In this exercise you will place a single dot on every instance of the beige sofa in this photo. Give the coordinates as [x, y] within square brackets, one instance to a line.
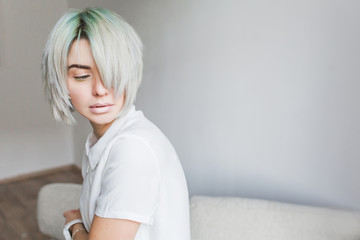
[223, 218]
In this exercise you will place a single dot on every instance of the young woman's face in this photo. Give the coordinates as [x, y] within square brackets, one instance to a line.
[88, 94]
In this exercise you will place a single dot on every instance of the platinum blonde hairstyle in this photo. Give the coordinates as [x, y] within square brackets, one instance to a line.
[116, 48]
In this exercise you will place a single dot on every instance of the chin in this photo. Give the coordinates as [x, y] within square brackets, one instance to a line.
[101, 120]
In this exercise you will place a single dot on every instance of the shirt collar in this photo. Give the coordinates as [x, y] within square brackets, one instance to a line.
[95, 147]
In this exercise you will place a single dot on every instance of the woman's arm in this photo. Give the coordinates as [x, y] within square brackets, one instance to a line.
[102, 228]
[112, 229]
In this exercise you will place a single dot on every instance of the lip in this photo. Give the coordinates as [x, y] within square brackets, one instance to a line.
[99, 108]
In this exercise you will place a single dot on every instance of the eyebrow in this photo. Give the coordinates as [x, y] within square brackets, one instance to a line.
[79, 66]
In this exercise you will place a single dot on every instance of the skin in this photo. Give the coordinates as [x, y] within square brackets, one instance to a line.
[86, 89]
[103, 228]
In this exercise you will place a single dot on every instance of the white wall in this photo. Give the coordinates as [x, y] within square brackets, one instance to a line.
[30, 140]
[259, 98]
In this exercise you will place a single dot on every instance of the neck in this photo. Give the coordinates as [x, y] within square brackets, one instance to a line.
[100, 129]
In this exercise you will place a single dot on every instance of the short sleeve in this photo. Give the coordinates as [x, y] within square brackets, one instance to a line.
[131, 182]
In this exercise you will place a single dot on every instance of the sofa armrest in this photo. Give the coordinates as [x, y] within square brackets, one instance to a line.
[53, 200]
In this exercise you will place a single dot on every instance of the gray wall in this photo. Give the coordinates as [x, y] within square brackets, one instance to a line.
[259, 98]
[30, 140]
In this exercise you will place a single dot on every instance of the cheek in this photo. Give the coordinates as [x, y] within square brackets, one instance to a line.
[75, 98]
[120, 99]
[77, 94]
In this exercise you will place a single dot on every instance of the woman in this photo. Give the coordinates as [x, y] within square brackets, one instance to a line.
[134, 186]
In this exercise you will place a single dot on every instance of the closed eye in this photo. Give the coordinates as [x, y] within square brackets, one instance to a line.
[82, 77]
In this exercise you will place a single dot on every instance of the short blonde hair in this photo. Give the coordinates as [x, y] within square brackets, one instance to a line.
[116, 48]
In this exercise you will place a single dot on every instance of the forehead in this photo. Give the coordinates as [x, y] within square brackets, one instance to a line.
[80, 53]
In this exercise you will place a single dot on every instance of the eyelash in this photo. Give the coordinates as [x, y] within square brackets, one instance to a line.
[82, 77]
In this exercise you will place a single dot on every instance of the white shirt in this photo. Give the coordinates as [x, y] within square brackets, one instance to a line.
[132, 172]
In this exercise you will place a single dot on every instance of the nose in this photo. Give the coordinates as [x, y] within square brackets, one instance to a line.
[99, 89]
